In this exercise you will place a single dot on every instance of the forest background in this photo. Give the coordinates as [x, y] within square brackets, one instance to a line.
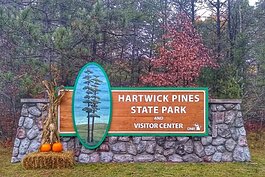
[138, 43]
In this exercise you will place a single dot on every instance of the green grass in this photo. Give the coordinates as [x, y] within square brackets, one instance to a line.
[99, 130]
[255, 168]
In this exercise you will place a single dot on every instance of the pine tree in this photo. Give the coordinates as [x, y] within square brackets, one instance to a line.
[92, 100]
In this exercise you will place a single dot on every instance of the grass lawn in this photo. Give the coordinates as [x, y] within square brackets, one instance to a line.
[255, 168]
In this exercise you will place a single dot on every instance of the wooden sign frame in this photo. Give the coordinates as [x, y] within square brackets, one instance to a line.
[157, 89]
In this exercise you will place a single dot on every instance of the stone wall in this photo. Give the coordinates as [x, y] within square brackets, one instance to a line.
[226, 141]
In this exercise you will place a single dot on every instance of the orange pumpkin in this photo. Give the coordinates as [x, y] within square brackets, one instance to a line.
[57, 147]
[45, 147]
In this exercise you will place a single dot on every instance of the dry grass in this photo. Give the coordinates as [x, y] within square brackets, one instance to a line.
[48, 160]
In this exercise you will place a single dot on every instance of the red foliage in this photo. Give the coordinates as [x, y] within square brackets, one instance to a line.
[180, 59]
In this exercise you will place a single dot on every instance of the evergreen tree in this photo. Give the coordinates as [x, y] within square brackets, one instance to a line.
[92, 100]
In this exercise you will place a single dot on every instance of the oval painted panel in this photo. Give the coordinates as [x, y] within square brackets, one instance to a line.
[92, 105]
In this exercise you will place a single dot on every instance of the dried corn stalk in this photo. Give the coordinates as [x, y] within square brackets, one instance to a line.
[50, 132]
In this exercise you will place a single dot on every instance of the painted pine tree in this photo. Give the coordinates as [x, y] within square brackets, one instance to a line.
[92, 100]
[87, 97]
[95, 101]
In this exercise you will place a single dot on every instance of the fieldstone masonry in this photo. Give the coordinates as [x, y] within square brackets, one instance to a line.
[226, 141]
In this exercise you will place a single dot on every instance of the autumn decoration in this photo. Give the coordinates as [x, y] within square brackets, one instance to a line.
[51, 154]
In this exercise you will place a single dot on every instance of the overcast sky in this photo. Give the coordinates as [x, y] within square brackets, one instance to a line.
[204, 12]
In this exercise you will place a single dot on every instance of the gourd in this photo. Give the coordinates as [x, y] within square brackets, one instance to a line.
[45, 147]
[57, 147]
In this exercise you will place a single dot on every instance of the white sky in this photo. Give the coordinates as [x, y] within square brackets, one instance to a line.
[204, 12]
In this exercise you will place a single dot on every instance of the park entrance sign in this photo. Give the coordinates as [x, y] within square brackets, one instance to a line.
[127, 111]
[159, 111]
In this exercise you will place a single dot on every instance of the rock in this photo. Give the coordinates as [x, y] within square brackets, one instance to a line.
[16, 142]
[219, 117]
[104, 147]
[247, 154]
[175, 158]
[188, 146]
[20, 156]
[234, 133]
[39, 124]
[213, 108]
[196, 138]
[34, 146]
[65, 146]
[171, 138]
[237, 107]
[148, 138]
[24, 110]
[15, 152]
[159, 150]
[41, 106]
[65, 139]
[214, 130]
[21, 121]
[137, 140]
[39, 137]
[207, 158]
[141, 147]
[169, 152]
[33, 132]
[15, 160]
[221, 148]
[242, 141]
[230, 116]
[239, 114]
[125, 139]
[218, 141]
[71, 144]
[21, 133]
[144, 158]
[24, 146]
[28, 123]
[77, 152]
[198, 149]
[220, 108]
[119, 147]
[160, 140]
[209, 150]
[169, 144]
[230, 145]
[229, 106]
[77, 143]
[239, 122]
[94, 157]
[83, 158]
[122, 158]
[217, 157]
[239, 154]
[86, 151]
[223, 131]
[131, 149]
[34, 111]
[206, 140]
[191, 158]
[150, 147]
[180, 149]
[183, 139]
[242, 131]
[113, 139]
[160, 158]
[106, 156]
[227, 157]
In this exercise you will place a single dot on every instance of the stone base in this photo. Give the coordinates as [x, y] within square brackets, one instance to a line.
[226, 141]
